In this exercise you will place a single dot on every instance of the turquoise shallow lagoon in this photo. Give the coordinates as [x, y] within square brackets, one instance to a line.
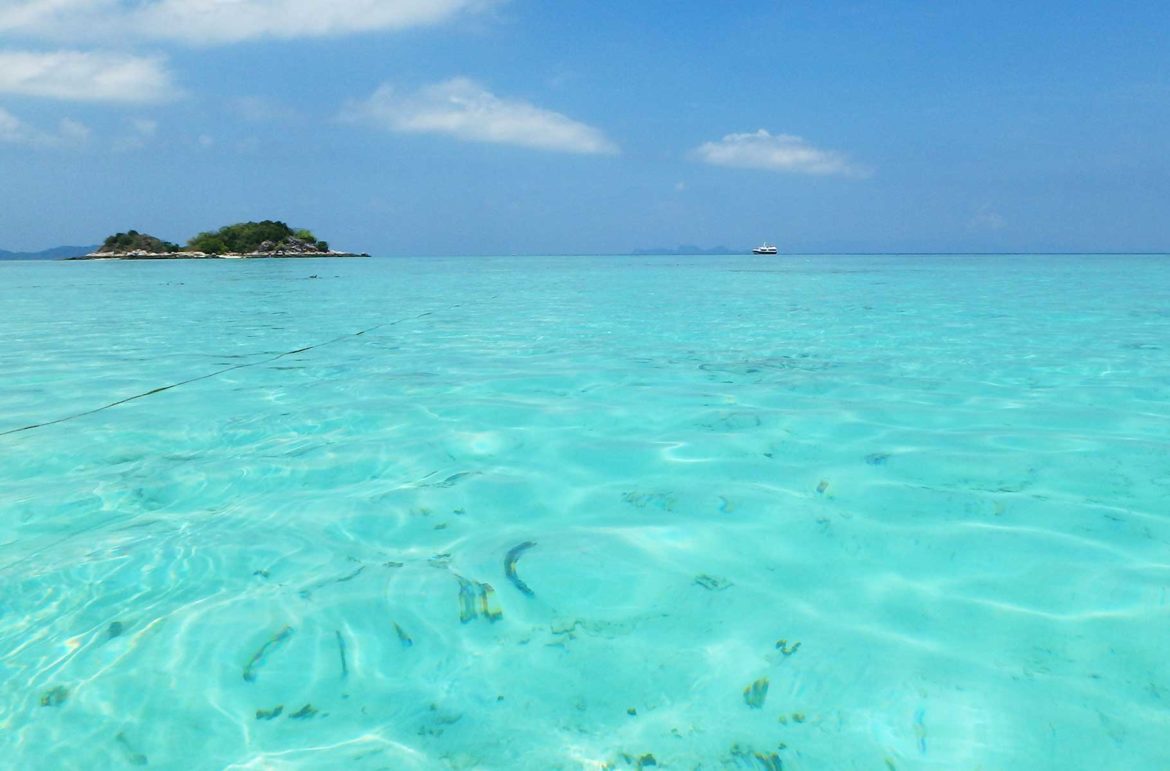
[826, 512]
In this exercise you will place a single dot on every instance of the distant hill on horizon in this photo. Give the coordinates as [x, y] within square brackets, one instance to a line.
[55, 253]
[682, 249]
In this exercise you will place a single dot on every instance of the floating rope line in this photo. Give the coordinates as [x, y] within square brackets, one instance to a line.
[209, 375]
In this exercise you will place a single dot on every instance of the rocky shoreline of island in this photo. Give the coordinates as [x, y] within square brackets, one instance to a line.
[184, 255]
[268, 239]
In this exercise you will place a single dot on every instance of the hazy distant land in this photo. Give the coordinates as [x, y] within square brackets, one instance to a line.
[55, 253]
[268, 238]
[685, 249]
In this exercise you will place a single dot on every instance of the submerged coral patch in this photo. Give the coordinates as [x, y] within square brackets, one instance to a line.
[712, 583]
[755, 694]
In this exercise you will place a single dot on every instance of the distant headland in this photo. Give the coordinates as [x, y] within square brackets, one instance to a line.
[266, 239]
[685, 250]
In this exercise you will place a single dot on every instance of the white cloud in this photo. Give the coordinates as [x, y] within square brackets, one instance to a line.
[15, 131]
[85, 77]
[72, 132]
[145, 127]
[779, 152]
[141, 132]
[987, 219]
[210, 22]
[465, 110]
[12, 129]
[259, 109]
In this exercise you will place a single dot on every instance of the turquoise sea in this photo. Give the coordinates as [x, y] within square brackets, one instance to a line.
[815, 512]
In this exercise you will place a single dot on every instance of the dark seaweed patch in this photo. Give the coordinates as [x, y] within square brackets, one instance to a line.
[642, 761]
[712, 583]
[55, 696]
[770, 761]
[786, 649]
[308, 592]
[510, 560]
[488, 606]
[403, 637]
[267, 649]
[453, 480]
[476, 599]
[467, 596]
[350, 576]
[755, 694]
[753, 759]
[114, 629]
[341, 653]
[133, 756]
[303, 713]
[638, 500]
[269, 714]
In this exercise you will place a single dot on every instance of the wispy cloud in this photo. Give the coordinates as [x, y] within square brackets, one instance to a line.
[145, 127]
[260, 109]
[140, 132]
[211, 22]
[85, 76]
[776, 152]
[15, 131]
[71, 132]
[463, 109]
[987, 218]
[12, 128]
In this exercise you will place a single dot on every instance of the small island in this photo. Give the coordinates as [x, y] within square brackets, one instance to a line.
[269, 238]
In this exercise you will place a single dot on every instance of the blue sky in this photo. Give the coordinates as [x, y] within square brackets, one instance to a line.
[516, 126]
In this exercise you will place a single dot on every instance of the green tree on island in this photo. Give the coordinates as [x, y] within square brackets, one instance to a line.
[249, 237]
[266, 238]
[133, 241]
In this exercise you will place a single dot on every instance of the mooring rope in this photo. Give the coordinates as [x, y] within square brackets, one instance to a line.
[209, 375]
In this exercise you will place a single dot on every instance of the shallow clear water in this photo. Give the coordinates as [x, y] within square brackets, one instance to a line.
[923, 499]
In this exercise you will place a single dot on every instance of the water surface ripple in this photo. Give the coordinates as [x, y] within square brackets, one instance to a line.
[900, 512]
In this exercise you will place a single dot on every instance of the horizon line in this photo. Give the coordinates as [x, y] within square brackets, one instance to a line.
[744, 253]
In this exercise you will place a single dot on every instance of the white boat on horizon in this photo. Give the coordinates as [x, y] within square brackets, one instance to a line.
[766, 248]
